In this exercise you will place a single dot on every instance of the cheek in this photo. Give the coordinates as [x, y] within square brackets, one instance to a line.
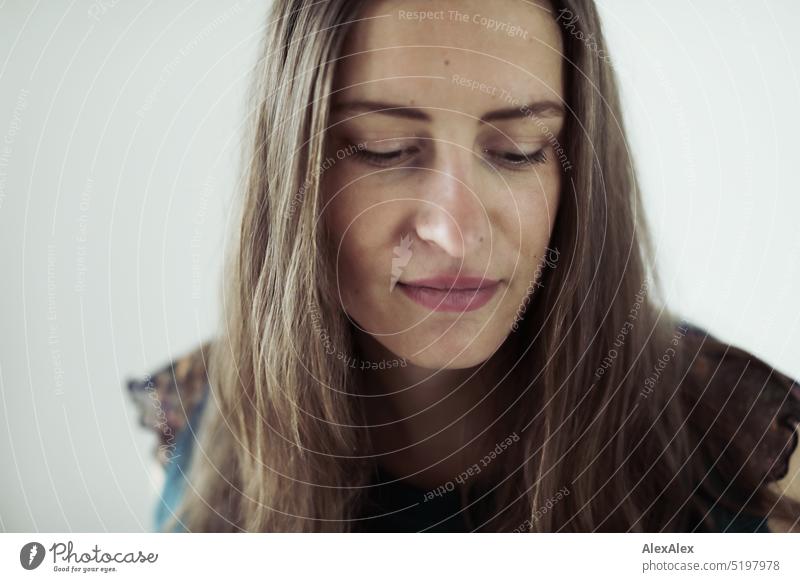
[529, 227]
[358, 234]
[358, 248]
[528, 220]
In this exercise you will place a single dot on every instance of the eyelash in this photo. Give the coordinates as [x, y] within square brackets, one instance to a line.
[520, 160]
[523, 159]
[380, 158]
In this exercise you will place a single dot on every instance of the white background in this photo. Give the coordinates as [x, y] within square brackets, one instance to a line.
[123, 121]
[435, 556]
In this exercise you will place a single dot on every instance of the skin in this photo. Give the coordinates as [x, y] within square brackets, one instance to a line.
[455, 184]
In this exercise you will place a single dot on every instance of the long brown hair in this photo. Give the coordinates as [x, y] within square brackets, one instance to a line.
[283, 443]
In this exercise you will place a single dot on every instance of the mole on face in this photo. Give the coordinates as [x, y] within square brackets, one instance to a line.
[446, 62]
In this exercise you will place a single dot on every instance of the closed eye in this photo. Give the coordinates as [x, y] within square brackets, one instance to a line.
[518, 159]
[513, 160]
[385, 158]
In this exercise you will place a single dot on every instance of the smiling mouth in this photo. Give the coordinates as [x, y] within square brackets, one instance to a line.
[452, 295]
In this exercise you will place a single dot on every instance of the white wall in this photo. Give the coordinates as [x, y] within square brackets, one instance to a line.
[711, 93]
[122, 126]
[112, 216]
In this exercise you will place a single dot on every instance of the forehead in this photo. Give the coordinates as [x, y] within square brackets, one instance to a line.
[465, 54]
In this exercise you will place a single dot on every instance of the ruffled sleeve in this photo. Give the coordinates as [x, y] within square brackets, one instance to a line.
[169, 397]
[754, 404]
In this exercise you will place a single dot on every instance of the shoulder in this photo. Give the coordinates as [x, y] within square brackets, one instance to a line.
[752, 402]
[170, 396]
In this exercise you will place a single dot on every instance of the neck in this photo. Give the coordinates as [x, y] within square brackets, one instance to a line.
[429, 426]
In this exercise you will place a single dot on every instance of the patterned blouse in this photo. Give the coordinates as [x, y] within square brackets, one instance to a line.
[172, 399]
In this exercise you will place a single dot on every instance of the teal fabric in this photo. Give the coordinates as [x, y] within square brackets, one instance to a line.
[730, 523]
[175, 482]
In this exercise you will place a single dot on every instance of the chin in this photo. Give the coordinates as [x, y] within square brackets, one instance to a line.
[453, 351]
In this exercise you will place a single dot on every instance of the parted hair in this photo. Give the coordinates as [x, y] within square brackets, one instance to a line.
[283, 445]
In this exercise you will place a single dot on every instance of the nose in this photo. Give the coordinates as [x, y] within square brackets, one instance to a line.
[451, 213]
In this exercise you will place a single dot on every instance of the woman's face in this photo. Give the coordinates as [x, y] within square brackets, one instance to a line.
[442, 180]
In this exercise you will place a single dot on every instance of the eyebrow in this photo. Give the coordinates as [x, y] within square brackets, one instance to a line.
[544, 108]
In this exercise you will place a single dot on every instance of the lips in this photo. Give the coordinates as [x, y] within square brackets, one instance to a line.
[445, 293]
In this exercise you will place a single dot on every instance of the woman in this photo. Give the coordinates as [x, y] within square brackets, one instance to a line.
[439, 314]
